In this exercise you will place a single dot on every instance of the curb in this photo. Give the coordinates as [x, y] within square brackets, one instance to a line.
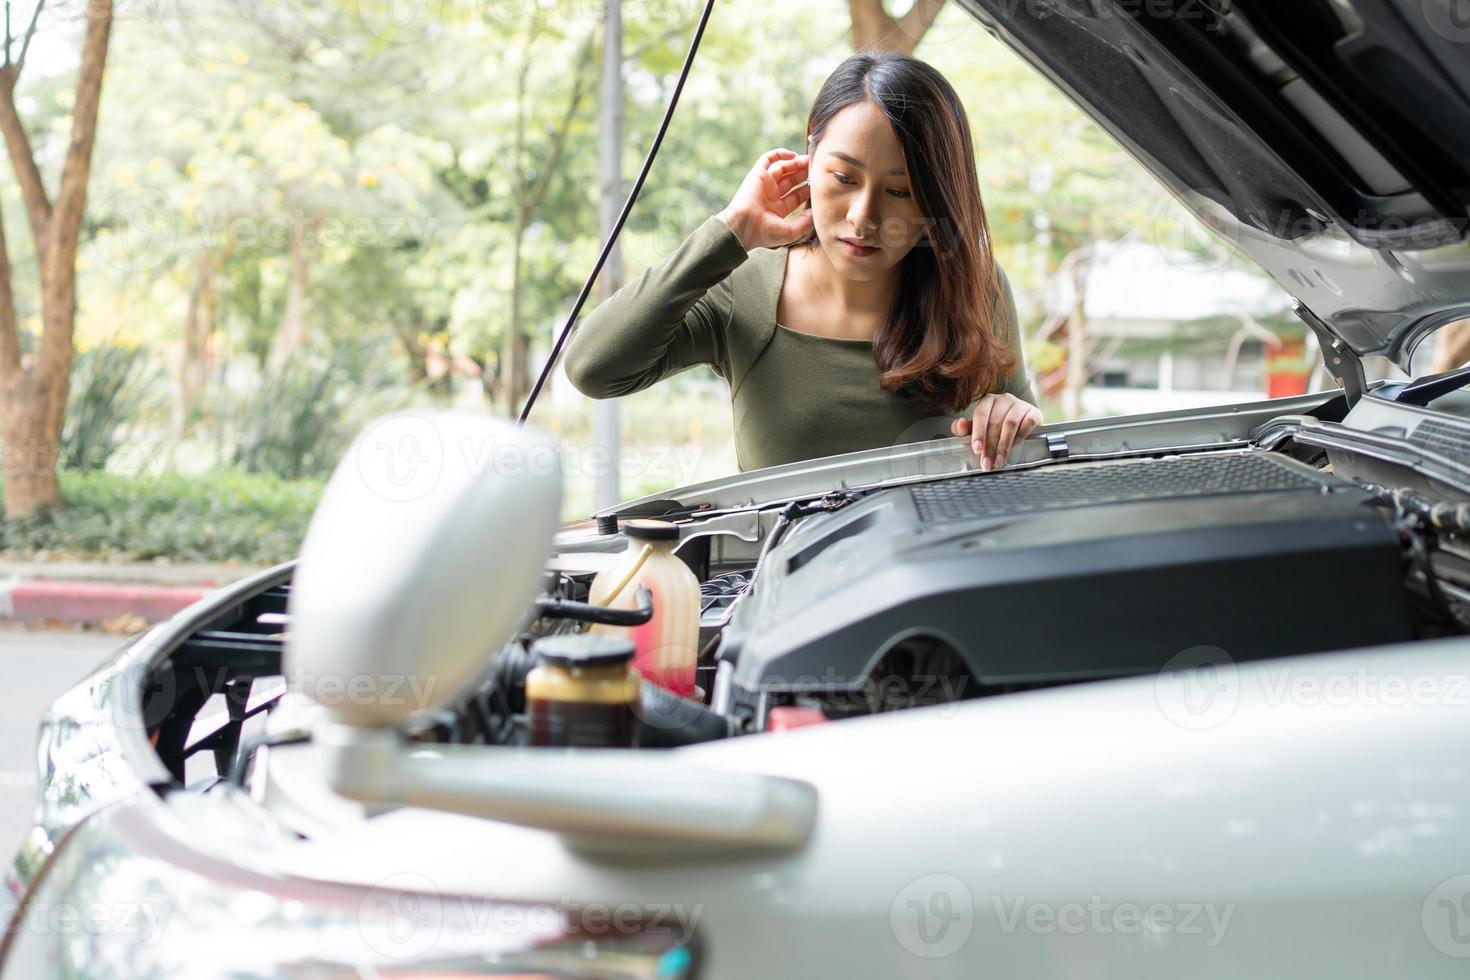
[91, 603]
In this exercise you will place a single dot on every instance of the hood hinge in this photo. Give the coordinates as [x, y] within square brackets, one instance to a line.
[1345, 367]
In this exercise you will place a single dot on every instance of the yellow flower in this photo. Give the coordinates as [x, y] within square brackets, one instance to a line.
[367, 179]
[124, 176]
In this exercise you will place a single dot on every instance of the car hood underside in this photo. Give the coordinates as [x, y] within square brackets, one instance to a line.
[1329, 140]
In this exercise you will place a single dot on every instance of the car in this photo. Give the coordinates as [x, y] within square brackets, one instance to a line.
[1181, 693]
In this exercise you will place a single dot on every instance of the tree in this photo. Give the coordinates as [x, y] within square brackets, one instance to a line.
[529, 196]
[874, 29]
[33, 395]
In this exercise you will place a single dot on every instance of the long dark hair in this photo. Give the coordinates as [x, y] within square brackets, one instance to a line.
[937, 347]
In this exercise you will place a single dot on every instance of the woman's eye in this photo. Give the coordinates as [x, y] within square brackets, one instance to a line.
[845, 181]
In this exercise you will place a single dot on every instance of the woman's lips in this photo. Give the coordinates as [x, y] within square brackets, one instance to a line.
[857, 249]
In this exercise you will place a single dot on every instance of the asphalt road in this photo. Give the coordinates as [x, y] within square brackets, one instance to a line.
[37, 666]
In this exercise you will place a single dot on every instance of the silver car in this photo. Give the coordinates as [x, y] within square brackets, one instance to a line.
[1179, 694]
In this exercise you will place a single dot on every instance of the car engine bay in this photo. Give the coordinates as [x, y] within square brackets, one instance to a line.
[978, 585]
[1272, 536]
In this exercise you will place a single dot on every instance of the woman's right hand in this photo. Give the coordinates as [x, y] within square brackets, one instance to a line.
[757, 215]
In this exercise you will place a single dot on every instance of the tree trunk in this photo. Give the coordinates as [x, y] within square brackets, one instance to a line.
[874, 30]
[198, 330]
[513, 349]
[1077, 341]
[489, 376]
[32, 448]
[33, 397]
[518, 380]
[291, 335]
[517, 376]
[414, 350]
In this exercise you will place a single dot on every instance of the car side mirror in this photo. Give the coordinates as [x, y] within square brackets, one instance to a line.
[422, 559]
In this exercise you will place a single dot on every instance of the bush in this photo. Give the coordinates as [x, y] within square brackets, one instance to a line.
[222, 516]
[303, 415]
[293, 426]
[110, 385]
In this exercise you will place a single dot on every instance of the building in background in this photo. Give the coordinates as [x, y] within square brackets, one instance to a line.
[1167, 330]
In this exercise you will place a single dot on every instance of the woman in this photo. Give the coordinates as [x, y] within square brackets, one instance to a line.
[874, 316]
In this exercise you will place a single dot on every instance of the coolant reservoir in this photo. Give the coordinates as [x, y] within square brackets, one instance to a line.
[666, 647]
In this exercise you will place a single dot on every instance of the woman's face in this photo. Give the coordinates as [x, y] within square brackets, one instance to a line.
[861, 192]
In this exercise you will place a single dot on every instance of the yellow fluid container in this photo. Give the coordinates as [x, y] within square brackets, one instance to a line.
[667, 646]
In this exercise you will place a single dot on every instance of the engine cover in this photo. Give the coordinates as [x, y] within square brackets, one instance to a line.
[1075, 571]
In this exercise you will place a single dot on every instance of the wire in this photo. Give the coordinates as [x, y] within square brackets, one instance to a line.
[623, 217]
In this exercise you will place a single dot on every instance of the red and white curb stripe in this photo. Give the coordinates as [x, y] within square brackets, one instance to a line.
[38, 600]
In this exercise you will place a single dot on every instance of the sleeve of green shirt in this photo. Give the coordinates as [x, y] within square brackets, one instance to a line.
[671, 317]
[1019, 381]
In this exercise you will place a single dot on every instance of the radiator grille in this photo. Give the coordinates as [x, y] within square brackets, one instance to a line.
[1071, 486]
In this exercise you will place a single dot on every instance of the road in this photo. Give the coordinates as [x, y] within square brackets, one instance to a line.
[38, 665]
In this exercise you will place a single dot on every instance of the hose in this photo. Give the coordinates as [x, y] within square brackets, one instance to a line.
[553, 607]
[637, 564]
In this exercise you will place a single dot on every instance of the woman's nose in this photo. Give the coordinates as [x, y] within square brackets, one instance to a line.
[863, 214]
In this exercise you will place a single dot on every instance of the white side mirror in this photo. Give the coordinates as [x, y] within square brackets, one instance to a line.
[421, 561]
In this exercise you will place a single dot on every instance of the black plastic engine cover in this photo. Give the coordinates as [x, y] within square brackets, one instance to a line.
[1076, 571]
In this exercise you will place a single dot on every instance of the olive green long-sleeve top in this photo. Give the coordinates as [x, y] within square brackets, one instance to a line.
[794, 395]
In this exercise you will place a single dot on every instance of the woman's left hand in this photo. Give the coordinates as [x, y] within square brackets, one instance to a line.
[1001, 420]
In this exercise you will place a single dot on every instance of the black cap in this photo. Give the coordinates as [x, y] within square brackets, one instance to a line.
[647, 530]
[582, 650]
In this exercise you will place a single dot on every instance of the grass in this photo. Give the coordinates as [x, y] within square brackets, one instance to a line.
[671, 437]
[225, 516]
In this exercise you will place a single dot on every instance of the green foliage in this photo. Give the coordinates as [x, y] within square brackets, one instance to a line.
[223, 516]
[110, 385]
[300, 417]
[387, 136]
[293, 423]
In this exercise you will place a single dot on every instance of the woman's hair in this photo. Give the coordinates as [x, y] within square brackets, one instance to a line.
[937, 348]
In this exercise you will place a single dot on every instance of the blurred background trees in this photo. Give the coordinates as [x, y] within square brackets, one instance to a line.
[302, 215]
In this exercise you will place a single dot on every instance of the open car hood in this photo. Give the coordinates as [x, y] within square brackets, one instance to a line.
[1328, 140]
